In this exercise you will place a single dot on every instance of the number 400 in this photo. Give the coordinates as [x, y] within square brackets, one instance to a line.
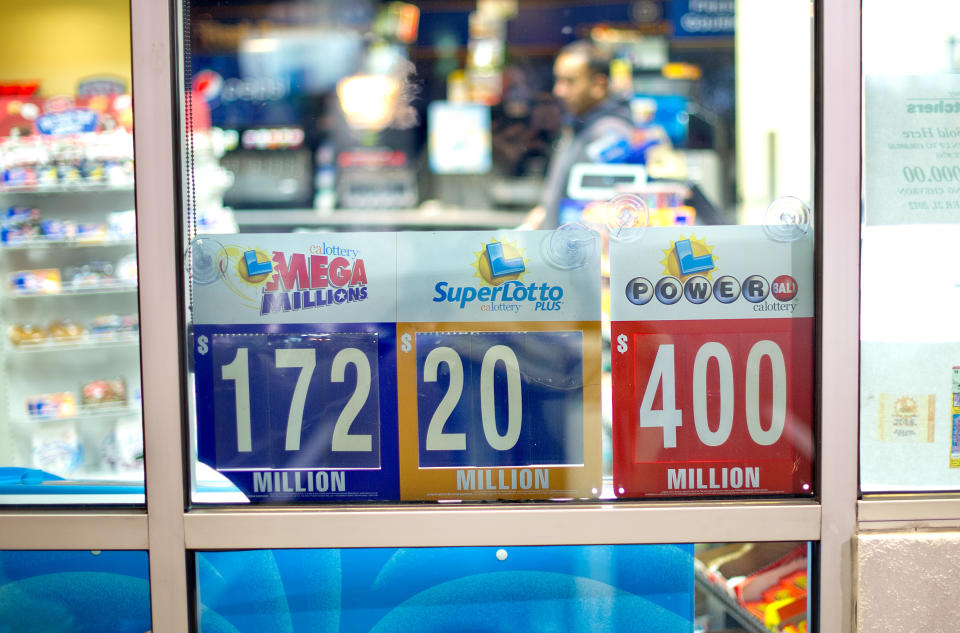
[669, 418]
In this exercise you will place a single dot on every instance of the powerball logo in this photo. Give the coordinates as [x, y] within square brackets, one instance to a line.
[501, 267]
[689, 272]
[276, 281]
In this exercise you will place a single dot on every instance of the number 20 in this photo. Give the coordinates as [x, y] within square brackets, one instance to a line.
[437, 440]
[238, 371]
[669, 418]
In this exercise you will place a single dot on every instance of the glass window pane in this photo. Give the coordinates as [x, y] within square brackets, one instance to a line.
[75, 591]
[70, 414]
[320, 137]
[910, 379]
[730, 587]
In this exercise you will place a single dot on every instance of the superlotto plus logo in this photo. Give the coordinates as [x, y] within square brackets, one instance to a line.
[502, 269]
[276, 281]
[690, 274]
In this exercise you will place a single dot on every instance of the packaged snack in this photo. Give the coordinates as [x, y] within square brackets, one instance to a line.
[122, 225]
[122, 449]
[57, 230]
[69, 173]
[42, 281]
[26, 334]
[91, 232]
[19, 177]
[106, 324]
[91, 275]
[57, 449]
[104, 392]
[20, 224]
[52, 405]
[127, 269]
[65, 330]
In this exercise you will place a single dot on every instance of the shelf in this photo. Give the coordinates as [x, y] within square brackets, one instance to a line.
[40, 244]
[421, 218]
[85, 342]
[737, 611]
[76, 188]
[70, 292]
[84, 414]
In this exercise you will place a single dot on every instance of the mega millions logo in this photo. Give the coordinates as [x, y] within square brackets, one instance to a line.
[690, 273]
[501, 267]
[277, 281]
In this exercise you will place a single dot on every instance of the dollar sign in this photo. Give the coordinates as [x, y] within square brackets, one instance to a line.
[405, 342]
[202, 346]
[622, 343]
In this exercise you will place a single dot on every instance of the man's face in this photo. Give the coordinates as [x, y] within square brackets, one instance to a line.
[576, 86]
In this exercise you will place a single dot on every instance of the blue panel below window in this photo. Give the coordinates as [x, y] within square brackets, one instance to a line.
[477, 589]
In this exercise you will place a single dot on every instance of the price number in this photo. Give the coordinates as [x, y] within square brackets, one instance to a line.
[729, 385]
[499, 398]
[936, 173]
[296, 401]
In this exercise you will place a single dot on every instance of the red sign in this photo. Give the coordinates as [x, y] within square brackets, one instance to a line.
[717, 407]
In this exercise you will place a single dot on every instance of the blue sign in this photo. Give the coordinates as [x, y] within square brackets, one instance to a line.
[702, 18]
[299, 412]
[490, 399]
[576, 589]
[73, 121]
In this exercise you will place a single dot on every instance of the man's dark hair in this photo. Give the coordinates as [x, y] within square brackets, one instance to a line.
[598, 60]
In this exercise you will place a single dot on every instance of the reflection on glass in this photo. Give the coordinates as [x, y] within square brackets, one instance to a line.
[415, 106]
[74, 592]
[70, 422]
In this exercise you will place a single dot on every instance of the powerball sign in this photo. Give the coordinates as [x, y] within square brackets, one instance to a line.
[712, 362]
[498, 368]
[295, 365]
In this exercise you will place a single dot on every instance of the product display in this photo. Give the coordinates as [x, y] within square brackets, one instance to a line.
[72, 374]
[93, 275]
[72, 142]
[763, 586]
[101, 328]
[27, 226]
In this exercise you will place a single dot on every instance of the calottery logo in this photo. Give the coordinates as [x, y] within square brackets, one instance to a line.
[688, 257]
[499, 262]
[277, 281]
[690, 273]
[501, 267]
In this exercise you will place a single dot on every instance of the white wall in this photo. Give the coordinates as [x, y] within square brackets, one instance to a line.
[908, 582]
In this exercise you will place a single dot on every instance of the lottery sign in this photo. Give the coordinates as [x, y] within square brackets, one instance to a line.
[712, 362]
[294, 359]
[498, 369]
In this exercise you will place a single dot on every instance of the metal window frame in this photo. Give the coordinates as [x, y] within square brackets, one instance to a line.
[169, 533]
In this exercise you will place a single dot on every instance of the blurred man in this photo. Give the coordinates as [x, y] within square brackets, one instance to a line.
[581, 83]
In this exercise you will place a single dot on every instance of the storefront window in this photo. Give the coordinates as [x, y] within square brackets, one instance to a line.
[70, 427]
[910, 380]
[651, 338]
